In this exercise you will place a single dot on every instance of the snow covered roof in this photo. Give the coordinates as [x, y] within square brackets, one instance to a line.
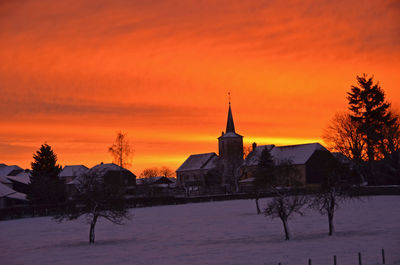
[18, 196]
[5, 190]
[73, 171]
[230, 134]
[22, 177]
[199, 161]
[297, 154]
[6, 170]
[247, 180]
[253, 158]
[102, 169]
[106, 167]
[5, 180]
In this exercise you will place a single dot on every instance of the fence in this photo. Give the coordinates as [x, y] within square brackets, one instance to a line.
[139, 201]
[335, 260]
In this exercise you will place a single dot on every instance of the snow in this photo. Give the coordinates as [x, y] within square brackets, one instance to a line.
[73, 170]
[22, 177]
[228, 232]
[297, 154]
[5, 170]
[104, 168]
[199, 161]
[5, 190]
[18, 196]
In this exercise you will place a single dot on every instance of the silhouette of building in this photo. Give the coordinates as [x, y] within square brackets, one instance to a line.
[228, 172]
[211, 172]
[311, 161]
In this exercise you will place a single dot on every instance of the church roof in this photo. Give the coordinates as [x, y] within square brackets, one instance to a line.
[297, 154]
[230, 126]
[199, 161]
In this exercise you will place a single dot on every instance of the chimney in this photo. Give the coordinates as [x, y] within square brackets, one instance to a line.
[254, 146]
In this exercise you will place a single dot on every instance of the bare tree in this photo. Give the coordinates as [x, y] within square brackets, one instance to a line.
[150, 173]
[247, 150]
[121, 150]
[97, 198]
[342, 136]
[334, 190]
[166, 172]
[286, 201]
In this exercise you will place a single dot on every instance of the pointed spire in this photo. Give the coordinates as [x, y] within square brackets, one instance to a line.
[230, 126]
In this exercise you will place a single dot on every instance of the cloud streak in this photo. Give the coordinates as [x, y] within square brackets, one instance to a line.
[160, 68]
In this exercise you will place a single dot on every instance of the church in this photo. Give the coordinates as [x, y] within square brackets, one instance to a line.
[211, 172]
[230, 172]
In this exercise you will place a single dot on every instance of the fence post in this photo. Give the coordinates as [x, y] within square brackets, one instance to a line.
[383, 256]
[334, 260]
[309, 261]
[359, 258]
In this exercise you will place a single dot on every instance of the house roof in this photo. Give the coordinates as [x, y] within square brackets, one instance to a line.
[253, 158]
[22, 177]
[230, 135]
[102, 169]
[6, 170]
[297, 154]
[73, 170]
[199, 161]
[5, 190]
[18, 196]
[5, 180]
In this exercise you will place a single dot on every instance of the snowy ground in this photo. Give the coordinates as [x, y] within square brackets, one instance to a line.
[226, 232]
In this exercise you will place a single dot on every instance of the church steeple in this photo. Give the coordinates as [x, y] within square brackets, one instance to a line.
[230, 126]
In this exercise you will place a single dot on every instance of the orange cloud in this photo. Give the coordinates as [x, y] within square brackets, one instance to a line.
[72, 73]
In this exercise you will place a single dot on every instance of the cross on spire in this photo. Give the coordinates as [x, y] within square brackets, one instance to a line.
[230, 126]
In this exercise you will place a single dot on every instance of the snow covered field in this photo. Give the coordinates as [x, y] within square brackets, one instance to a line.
[228, 232]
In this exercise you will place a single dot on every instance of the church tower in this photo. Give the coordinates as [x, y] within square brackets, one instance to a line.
[230, 146]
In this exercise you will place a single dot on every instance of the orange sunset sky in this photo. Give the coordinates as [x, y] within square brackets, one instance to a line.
[73, 73]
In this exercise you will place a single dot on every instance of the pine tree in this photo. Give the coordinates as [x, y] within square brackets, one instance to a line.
[263, 175]
[45, 186]
[371, 111]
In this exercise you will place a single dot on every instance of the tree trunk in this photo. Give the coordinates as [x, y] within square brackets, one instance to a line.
[257, 205]
[92, 226]
[331, 226]
[286, 228]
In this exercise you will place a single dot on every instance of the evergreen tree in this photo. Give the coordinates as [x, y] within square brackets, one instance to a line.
[371, 111]
[263, 175]
[45, 186]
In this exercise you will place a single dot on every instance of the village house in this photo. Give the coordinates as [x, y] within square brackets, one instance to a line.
[110, 173]
[69, 173]
[310, 159]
